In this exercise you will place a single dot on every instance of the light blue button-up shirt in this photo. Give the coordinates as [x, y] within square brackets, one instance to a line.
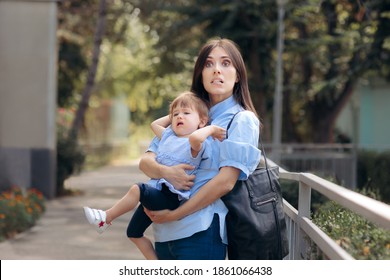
[240, 150]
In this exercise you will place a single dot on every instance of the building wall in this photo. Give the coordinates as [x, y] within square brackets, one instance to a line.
[365, 119]
[28, 75]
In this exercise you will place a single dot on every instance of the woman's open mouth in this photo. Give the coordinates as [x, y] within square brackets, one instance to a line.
[217, 81]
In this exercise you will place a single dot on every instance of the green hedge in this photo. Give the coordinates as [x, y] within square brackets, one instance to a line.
[359, 237]
[373, 173]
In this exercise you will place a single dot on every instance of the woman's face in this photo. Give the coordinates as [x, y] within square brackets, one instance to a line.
[219, 75]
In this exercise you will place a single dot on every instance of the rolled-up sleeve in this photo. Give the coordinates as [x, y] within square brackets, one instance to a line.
[241, 150]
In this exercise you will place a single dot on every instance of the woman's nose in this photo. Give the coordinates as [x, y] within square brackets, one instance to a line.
[217, 68]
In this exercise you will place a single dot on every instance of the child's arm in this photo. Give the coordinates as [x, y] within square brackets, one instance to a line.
[199, 136]
[158, 126]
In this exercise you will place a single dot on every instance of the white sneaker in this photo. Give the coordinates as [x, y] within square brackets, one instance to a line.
[97, 218]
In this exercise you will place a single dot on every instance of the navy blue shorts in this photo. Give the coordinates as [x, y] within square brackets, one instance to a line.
[152, 199]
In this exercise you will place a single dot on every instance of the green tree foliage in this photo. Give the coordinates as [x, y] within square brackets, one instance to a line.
[132, 68]
[330, 45]
[188, 24]
[73, 33]
[71, 66]
[130, 59]
[76, 28]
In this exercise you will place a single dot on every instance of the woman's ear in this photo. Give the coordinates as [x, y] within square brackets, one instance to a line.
[237, 78]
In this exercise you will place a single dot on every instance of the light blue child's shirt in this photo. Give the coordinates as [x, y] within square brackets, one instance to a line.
[173, 150]
[240, 150]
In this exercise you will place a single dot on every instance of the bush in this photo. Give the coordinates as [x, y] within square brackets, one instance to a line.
[70, 156]
[373, 172]
[359, 237]
[19, 210]
[70, 160]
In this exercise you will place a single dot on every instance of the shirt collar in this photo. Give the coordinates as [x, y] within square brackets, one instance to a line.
[222, 107]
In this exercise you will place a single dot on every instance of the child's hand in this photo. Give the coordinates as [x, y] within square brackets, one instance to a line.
[218, 132]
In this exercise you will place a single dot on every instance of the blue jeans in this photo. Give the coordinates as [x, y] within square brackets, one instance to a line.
[204, 245]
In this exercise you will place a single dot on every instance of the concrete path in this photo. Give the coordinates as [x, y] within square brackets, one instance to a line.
[63, 233]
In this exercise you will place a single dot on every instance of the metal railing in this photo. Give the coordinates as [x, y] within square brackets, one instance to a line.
[338, 161]
[302, 230]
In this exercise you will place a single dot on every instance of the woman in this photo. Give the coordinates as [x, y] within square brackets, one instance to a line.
[196, 230]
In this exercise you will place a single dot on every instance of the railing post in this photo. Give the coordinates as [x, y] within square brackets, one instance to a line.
[304, 202]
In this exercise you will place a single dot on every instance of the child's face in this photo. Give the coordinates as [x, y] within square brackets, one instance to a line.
[185, 120]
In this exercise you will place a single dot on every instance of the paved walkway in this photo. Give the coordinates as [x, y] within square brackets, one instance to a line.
[63, 233]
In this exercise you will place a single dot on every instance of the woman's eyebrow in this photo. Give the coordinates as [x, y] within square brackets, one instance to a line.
[222, 57]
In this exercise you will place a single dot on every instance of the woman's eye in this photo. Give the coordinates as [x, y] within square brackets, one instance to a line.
[208, 64]
[226, 63]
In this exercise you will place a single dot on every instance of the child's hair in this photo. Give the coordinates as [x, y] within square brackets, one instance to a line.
[189, 99]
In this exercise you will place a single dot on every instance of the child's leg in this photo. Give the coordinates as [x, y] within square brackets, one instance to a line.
[124, 205]
[135, 231]
[102, 219]
[145, 246]
[152, 199]
[155, 200]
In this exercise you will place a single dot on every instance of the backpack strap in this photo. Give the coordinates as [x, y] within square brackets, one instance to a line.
[230, 123]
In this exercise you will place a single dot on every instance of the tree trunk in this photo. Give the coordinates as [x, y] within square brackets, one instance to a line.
[324, 122]
[86, 94]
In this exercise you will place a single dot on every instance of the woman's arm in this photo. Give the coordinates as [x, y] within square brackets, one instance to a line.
[176, 174]
[210, 192]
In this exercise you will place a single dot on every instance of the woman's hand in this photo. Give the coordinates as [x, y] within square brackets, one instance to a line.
[161, 216]
[177, 176]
